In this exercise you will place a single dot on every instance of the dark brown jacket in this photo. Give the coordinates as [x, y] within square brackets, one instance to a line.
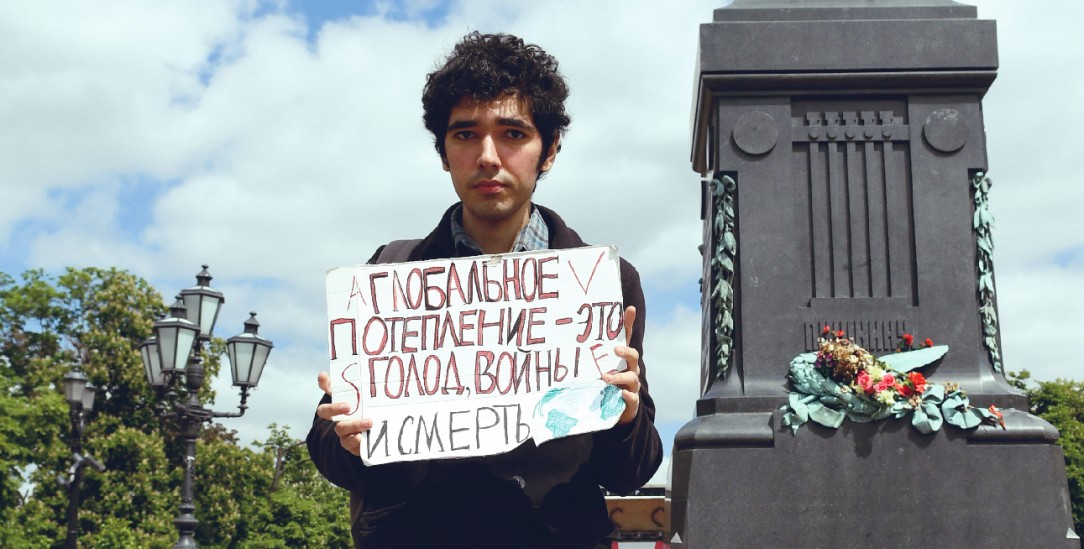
[534, 496]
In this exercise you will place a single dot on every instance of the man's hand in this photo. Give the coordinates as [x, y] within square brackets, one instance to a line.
[349, 430]
[628, 380]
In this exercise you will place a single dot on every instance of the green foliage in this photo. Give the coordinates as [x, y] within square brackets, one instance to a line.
[269, 495]
[302, 508]
[1061, 402]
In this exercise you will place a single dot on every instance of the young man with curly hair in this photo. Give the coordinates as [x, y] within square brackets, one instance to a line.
[496, 112]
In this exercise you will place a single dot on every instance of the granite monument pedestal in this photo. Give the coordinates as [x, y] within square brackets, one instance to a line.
[845, 151]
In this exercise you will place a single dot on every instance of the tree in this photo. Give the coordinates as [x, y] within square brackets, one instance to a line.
[44, 322]
[269, 495]
[1061, 402]
[302, 508]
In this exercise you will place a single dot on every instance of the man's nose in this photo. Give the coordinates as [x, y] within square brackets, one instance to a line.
[487, 156]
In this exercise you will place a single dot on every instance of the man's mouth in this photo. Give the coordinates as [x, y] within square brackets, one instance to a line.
[489, 187]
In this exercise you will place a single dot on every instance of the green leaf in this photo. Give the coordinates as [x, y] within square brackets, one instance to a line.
[825, 415]
[921, 422]
[934, 395]
[729, 241]
[986, 246]
[907, 361]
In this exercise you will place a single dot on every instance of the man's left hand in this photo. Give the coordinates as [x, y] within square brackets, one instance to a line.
[629, 379]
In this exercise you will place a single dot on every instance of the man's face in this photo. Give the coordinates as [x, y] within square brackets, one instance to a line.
[492, 152]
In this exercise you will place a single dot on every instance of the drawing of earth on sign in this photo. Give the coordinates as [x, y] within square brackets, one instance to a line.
[565, 411]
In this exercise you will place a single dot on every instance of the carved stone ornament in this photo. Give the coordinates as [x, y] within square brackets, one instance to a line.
[756, 133]
[945, 130]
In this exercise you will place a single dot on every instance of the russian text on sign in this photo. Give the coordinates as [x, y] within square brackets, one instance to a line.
[475, 356]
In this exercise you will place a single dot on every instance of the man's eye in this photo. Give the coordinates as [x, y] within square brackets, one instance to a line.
[463, 134]
[516, 134]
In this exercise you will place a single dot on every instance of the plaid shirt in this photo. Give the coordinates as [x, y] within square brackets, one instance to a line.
[535, 236]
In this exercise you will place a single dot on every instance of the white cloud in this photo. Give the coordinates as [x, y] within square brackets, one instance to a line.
[277, 158]
[672, 356]
[1043, 320]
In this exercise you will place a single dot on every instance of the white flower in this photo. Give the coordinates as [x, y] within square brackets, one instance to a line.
[886, 397]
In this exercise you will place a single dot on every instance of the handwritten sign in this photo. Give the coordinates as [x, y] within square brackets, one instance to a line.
[475, 356]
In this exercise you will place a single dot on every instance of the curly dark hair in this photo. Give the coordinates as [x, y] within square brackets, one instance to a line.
[487, 66]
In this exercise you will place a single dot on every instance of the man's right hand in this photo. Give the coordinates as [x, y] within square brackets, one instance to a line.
[349, 430]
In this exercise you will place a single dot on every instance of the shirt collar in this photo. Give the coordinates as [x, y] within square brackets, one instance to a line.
[534, 236]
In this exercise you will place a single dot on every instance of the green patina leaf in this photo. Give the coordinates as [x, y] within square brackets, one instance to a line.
[934, 395]
[931, 414]
[859, 404]
[907, 361]
[798, 407]
[899, 409]
[957, 411]
[964, 417]
[790, 420]
[882, 413]
[921, 422]
[825, 415]
[986, 246]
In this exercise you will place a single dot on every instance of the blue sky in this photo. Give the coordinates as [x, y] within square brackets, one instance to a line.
[316, 13]
[276, 140]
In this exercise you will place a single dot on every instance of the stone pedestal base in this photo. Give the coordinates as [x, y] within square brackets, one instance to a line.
[744, 480]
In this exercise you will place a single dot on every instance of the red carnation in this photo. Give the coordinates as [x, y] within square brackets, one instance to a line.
[928, 342]
[840, 333]
[908, 339]
[918, 381]
[826, 330]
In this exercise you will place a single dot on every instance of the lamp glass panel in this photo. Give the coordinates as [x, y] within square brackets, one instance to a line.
[209, 315]
[241, 360]
[88, 397]
[184, 347]
[152, 363]
[167, 344]
[258, 362]
[174, 344]
[192, 307]
[74, 383]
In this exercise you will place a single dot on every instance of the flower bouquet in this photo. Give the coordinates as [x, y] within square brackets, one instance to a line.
[844, 381]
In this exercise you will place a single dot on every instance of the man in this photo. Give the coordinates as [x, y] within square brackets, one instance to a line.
[496, 112]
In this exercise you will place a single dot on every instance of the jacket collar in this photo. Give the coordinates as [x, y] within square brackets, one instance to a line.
[440, 243]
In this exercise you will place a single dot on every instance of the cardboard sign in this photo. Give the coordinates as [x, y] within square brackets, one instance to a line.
[475, 356]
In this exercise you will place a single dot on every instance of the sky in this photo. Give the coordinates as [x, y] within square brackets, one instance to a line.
[273, 140]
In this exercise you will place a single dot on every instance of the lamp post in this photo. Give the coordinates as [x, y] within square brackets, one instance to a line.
[173, 361]
[80, 396]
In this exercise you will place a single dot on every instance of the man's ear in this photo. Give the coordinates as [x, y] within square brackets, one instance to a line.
[444, 163]
[551, 155]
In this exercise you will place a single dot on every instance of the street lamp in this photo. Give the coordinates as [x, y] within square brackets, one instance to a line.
[80, 396]
[174, 367]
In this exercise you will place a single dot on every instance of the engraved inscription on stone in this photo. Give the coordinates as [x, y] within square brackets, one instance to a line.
[876, 336]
